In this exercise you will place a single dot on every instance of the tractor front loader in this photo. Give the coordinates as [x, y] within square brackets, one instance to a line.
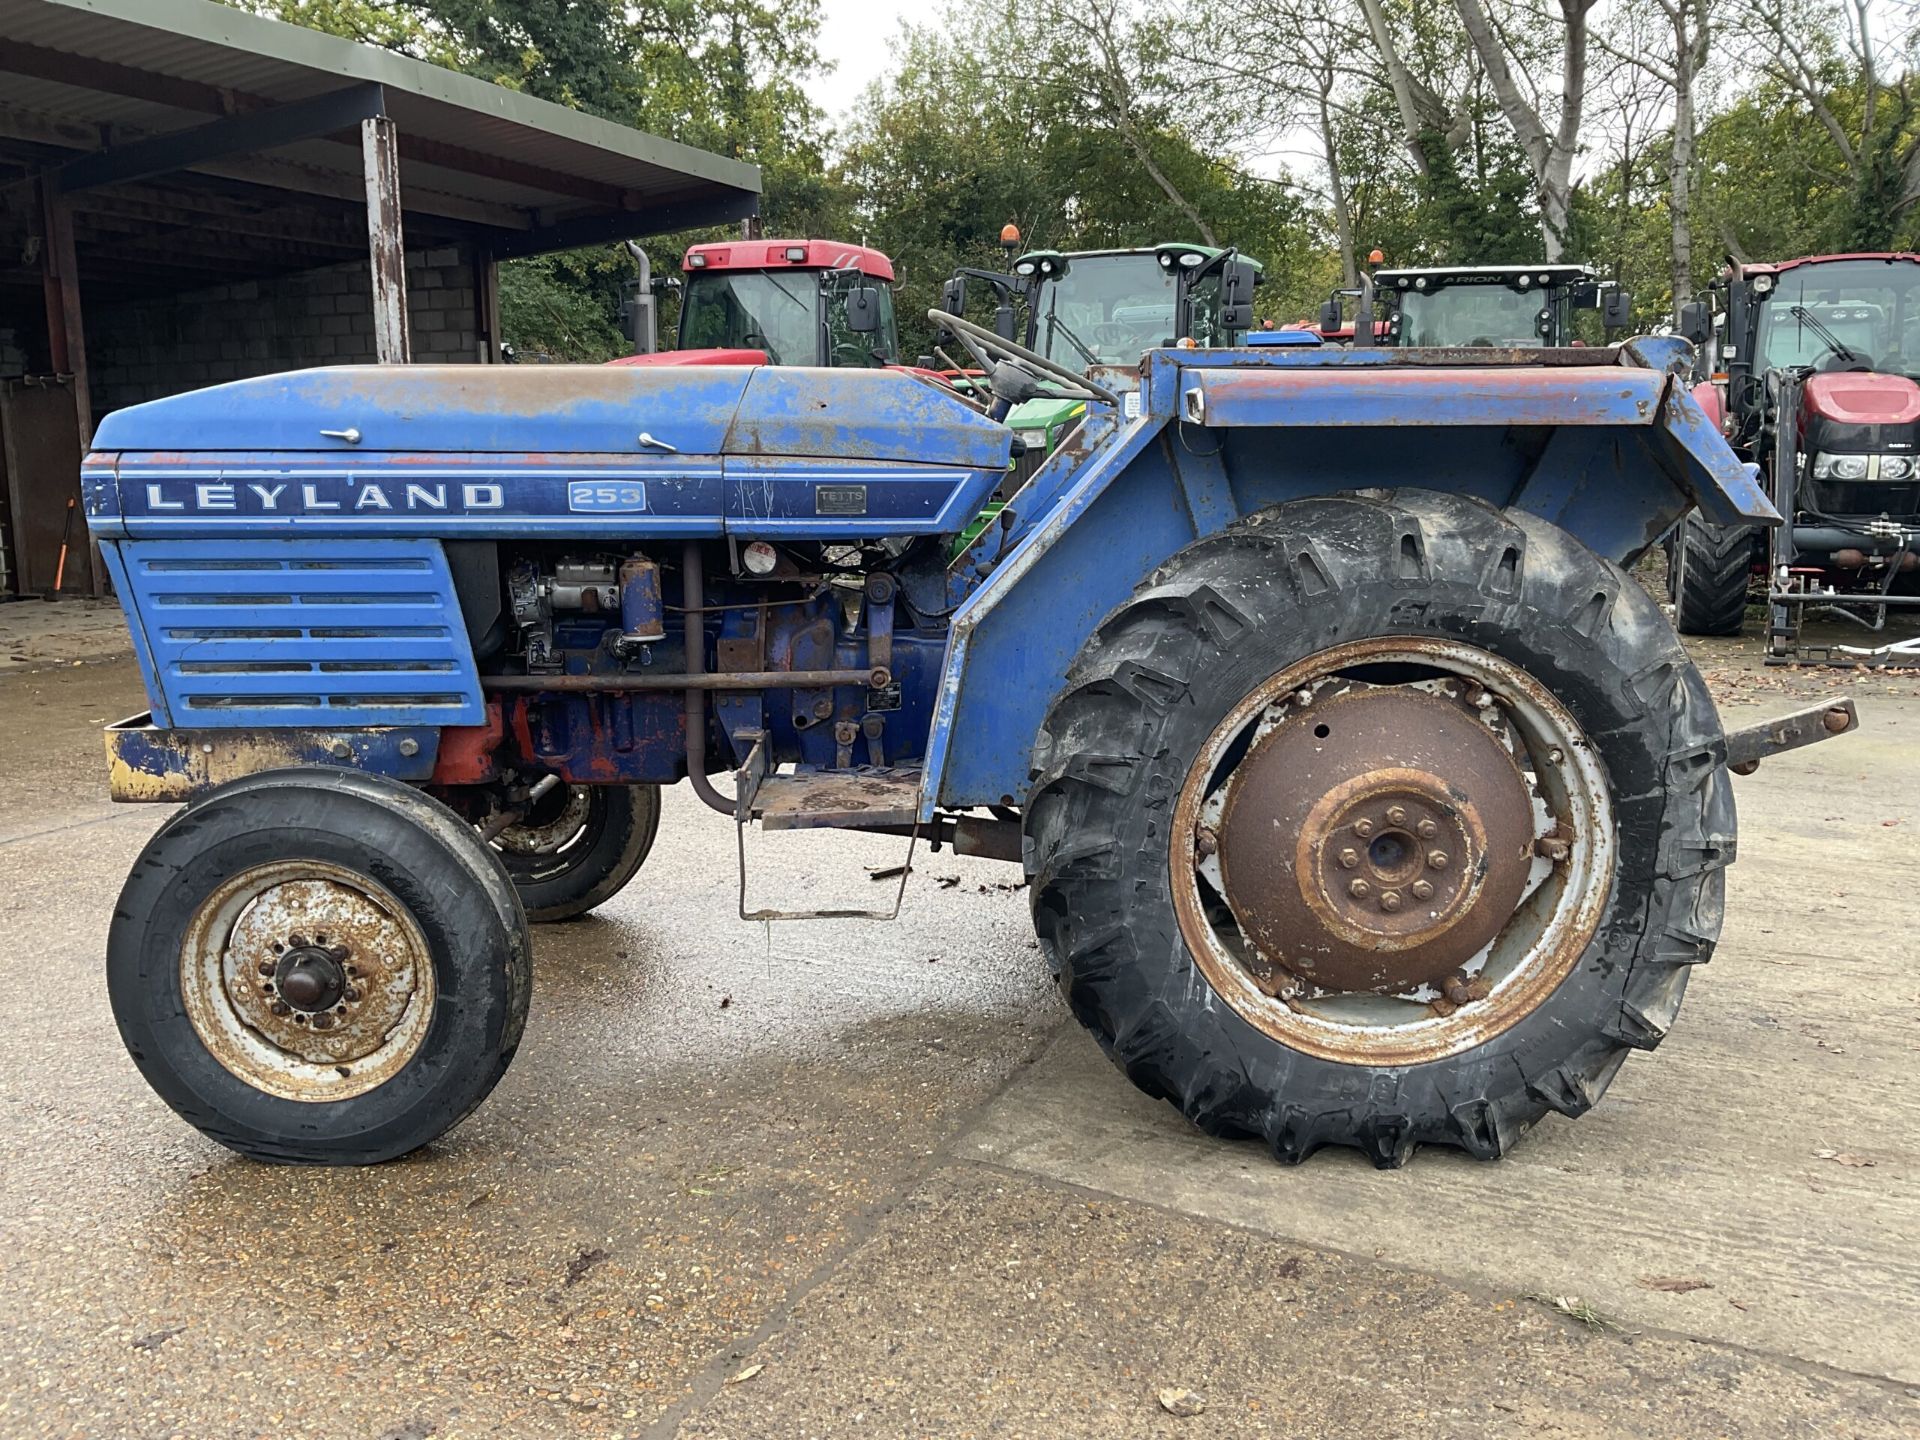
[1365, 797]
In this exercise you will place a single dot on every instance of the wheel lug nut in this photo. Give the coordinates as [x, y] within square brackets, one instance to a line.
[1397, 815]
[266, 967]
[1363, 828]
[1422, 890]
[280, 1007]
[1426, 829]
[1349, 859]
[355, 994]
[1359, 889]
[323, 1022]
[1390, 901]
[1437, 859]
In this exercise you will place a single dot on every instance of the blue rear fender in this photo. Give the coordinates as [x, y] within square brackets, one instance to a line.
[1612, 452]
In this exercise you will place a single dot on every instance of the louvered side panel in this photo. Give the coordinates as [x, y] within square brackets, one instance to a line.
[301, 633]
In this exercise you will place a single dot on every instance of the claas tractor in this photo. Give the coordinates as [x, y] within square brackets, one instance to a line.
[1363, 796]
[783, 302]
[1477, 306]
[1818, 362]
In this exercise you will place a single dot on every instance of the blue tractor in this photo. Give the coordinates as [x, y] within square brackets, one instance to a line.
[1365, 798]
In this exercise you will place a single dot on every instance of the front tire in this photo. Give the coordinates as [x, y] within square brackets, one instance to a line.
[1270, 1002]
[319, 967]
[1709, 568]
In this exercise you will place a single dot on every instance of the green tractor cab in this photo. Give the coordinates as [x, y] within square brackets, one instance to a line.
[1098, 309]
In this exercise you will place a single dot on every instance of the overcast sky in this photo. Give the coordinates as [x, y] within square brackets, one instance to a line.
[858, 36]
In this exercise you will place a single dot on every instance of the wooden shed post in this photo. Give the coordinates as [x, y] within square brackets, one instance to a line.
[386, 245]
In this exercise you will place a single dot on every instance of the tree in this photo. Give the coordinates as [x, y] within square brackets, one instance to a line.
[1669, 42]
[1828, 57]
[1549, 150]
[956, 143]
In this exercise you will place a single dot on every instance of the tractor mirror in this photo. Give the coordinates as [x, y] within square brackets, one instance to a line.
[1237, 278]
[1585, 295]
[863, 310]
[1330, 317]
[1696, 324]
[1616, 309]
[953, 295]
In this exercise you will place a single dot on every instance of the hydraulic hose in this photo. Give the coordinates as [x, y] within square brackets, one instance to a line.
[694, 597]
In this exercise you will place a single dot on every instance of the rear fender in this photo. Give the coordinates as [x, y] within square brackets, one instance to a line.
[1614, 453]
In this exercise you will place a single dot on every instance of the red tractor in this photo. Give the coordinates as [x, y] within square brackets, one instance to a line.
[784, 302]
[1819, 357]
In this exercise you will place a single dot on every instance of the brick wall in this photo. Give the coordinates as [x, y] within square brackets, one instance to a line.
[143, 349]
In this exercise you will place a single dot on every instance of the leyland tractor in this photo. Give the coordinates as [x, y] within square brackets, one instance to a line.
[1820, 358]
[783, 302]
[1363, 796]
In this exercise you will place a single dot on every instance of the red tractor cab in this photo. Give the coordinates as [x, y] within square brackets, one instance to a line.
[1821, 356]
[783, 302]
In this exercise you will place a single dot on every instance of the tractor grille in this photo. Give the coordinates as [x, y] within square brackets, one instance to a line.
[302, 633]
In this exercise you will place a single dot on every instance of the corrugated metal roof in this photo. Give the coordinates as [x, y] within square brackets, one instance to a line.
[212, 45]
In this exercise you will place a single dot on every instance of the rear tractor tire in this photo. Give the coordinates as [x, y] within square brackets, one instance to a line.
[1380, 820]
[1709, 568]
[578, 847]
[319, 967]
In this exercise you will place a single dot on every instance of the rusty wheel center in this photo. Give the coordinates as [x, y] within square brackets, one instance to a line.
[1411, 836]
[311, 979]
[307, 981]
[1392, 849]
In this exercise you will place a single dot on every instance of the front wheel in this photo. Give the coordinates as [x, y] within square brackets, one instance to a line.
[319, 967]
[1380, 821]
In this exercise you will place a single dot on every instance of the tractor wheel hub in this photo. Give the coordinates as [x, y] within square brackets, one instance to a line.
[1376, 838]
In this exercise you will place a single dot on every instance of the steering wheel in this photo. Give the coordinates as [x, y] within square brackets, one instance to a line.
[987, 348]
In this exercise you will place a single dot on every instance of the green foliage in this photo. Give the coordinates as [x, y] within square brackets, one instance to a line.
[565, 307]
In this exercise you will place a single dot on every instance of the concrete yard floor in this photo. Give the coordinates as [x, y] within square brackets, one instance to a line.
[827, 1180]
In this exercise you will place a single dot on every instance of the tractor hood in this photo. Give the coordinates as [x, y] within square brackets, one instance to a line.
[1861, 398]
[684, 410]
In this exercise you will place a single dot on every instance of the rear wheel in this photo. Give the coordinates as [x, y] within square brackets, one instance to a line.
[319, 967]
[578, 846]
[1708, 570]
[1380, 821]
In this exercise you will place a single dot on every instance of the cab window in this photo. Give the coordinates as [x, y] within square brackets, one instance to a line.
[848, 347]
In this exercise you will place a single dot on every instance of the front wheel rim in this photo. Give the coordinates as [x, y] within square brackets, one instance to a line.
[555, 836]
[1334, 946]
[307, 981]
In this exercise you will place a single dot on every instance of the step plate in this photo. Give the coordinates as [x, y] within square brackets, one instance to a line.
[824, 799]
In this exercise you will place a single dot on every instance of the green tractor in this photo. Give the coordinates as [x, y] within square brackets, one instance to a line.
[1104, 308]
